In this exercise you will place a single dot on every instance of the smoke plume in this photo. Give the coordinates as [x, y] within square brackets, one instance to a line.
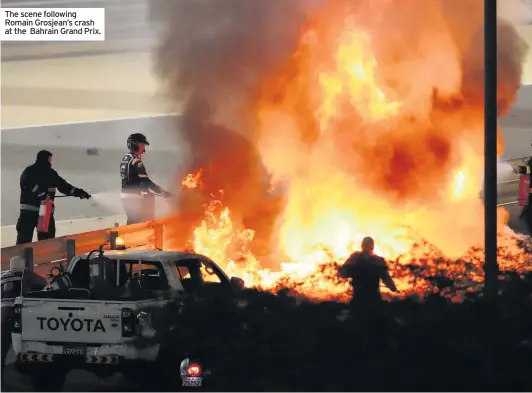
[233, 59]
[214, 54]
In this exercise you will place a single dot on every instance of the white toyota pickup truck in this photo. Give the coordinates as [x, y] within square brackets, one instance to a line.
[93, 323]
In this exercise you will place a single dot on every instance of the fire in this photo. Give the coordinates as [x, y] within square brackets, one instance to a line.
[375, 164]
[355, 76]
[192, 180]
[365, 143]
[458, 185]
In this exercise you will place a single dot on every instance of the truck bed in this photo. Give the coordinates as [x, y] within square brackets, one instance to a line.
[72, 321]
[118, 294]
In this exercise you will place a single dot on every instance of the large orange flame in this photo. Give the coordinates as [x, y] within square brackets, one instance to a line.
[366, 142]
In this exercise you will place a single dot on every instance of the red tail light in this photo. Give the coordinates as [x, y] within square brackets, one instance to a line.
[129, 323]
[17, 318]
[194, 370]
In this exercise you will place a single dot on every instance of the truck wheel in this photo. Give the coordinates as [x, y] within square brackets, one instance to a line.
[47, 379]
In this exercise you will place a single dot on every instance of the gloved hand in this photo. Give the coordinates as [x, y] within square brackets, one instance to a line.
[81, 194]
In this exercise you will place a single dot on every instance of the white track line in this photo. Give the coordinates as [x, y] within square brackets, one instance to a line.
[151, 116]
[507, 203]
[508, 182]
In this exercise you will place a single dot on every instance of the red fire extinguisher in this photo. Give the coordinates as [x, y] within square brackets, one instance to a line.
[45, 211]
[524, 190]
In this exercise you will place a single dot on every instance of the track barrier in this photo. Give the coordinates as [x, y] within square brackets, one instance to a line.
[42, 255]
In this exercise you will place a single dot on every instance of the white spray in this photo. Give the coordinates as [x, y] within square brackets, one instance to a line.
[504, 170]
[111, 202]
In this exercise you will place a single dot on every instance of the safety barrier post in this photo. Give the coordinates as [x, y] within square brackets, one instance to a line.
[28, 257]
[112, 239]
[159, 236]
[70, 250]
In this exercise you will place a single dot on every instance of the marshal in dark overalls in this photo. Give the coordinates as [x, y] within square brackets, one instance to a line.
[137, 188]
[15, 282]
[38, 182]
[527, 210]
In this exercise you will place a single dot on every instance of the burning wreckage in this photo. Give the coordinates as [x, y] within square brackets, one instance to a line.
[368, 119]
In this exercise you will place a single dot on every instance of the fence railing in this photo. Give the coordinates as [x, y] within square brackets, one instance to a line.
[41, 256]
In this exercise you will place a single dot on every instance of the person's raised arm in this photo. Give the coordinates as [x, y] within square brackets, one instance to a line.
[523, 170]
[140, 169]
[68, 189]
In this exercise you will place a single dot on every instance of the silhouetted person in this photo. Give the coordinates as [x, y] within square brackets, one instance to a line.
[526, 214]
[366, 271]
[15, 282]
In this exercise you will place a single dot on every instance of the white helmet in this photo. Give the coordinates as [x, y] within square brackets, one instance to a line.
[17, 263]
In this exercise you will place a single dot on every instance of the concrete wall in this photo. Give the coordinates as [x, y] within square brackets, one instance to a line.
[80, 89]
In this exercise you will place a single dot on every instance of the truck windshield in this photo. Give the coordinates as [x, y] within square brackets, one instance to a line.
[195, 273]
[121, 276]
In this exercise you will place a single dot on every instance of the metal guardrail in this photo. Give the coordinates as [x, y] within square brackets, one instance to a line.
[44, 254]
[127, 29]
[41, 255]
